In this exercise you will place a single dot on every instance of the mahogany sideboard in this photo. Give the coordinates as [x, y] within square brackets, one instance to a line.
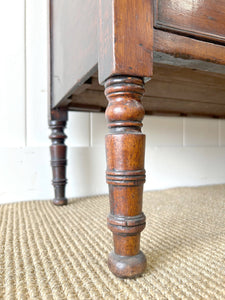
[161, 57]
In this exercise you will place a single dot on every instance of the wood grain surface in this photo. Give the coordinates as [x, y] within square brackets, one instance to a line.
[203, 19]
[126, 38]
[125, 150]
[172, 91]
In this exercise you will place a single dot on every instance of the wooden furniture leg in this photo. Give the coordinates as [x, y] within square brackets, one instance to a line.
[125, 60]
[58, 151]
[125, 146]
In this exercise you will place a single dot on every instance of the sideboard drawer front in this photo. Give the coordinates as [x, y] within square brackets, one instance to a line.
[200, 18]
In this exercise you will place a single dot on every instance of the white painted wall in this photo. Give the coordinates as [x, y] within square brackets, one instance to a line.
[180, 151]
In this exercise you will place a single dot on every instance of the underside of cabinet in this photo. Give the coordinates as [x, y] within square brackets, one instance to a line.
[188, 66]
[172, 91]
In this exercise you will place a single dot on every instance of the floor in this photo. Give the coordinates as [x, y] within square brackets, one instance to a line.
[49, 252]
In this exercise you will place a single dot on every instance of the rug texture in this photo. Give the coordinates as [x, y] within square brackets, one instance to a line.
[49, 252]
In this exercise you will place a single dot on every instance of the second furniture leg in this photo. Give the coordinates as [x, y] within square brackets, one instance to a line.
[58, 151]
[125, 150]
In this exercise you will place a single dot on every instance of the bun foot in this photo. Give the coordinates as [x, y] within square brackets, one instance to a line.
[60, 202]
[127, 266]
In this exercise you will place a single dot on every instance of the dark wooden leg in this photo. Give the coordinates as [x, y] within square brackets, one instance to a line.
[58, 155]
[125, 60]
[125, 147]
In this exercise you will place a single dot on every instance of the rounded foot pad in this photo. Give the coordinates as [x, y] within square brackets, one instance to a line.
[60, 202]
[127, 266]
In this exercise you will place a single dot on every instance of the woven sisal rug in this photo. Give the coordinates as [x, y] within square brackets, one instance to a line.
[49, 252]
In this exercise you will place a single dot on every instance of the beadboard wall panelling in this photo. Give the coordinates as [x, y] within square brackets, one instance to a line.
[163, 131]
[168, 167]
[222, 132]
[78, 129]
[27, 173]
[201, 132]
[86, 172]
[12, 73]
[37, 72]
[98, 129]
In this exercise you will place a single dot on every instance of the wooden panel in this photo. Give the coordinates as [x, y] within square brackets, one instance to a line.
[200, 18]
[126, 38]
[162, 106]
[73, 45]
[188, 48]
[156, 105]
[172, 90]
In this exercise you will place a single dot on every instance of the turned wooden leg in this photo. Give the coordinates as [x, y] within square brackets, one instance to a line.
[125, 146]
[58, 155]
